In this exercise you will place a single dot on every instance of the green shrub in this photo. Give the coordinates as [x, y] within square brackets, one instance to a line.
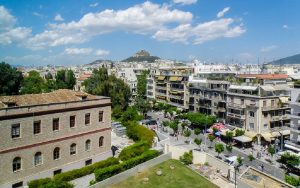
[134, 150]
[39, 183]
[104, 173]
[58, 184]
[139, 133]
[77, 173]
[187, 158]
[292, 180]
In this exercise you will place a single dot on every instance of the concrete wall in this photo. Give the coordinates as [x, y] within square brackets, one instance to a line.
[131, 172]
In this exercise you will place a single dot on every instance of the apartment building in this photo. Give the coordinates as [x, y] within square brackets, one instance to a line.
[46, 134]
[259, 105]
[208, 96]
[170, 85]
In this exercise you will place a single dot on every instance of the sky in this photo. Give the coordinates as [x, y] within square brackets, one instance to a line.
[69, 32]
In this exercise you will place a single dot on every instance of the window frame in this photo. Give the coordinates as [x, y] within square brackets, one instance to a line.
[56, 153]
[55, 127]
[39, 123]
[38, 161]
[15, 134]
[73, 149]
[72, 121]
[17, 165]
[101, 116]
[101, 141]
[87, 146]
[87, 118]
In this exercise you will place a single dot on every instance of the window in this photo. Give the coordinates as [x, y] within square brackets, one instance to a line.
[101, 141]
[242, 101]
[87, 145]
[264, 103]
[251, 114]
[16, 164]
[272, 103]
[87, 118]
[37, 127]
[55, 124]
[73, 149]
[38, 159]
[251, 126]
[56, 153]
[55, 172]
[72, 121]
[265, 115]
[100, 116]
[88, 162]
[15, 130]
[17, 185]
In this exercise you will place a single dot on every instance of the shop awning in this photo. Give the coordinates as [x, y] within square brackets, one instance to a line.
[243, 139]
[275, 134]
[292, 147]
[285, 132]
[173, 78]
[267, 136]
[252, 88]
[160, 78]
[250, 134]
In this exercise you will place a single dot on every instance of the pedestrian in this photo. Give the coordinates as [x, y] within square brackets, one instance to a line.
[262, 167]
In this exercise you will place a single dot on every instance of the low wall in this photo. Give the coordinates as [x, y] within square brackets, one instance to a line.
[133, 171]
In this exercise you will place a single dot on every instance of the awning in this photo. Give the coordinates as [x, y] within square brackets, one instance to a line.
[218, 133]
[250, 134]
[179, 78]
[173, 78]
[161, 78]
[267, 136]
[285, 132]
[275, 134]
[292, 147]
[282, 87]
[267, 88]
[243, 139]
[252, 88]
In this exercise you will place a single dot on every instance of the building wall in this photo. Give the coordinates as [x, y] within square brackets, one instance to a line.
[28, 144]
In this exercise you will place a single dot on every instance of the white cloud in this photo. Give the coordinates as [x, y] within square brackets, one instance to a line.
[222, 28]
[223, 12]
[8, 32]
[185, 2]
[268, 48]
[101, 52]
[78, 51]
[285, 26]
[58, 18]
[38, 14]
[94, 5]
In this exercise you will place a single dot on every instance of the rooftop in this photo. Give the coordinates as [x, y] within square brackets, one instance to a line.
[263, 76]
[58, 96]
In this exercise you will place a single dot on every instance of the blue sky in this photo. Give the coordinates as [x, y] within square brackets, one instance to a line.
[40, 32]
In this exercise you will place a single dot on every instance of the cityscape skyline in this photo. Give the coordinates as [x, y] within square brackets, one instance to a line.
[40, 33]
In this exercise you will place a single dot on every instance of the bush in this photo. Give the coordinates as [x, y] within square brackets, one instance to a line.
[39, 182]
[139, 133]
[292, 180]
[77, 173]
[187, 158]
[104, 173]
[134, 150]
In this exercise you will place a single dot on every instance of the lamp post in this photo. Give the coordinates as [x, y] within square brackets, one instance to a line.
[235, 169]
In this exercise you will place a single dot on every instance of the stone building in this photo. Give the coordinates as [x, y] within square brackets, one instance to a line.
[46, 134]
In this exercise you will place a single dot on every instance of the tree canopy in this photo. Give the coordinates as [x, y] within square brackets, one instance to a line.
[142, 84]
[199, 120]
[100, 83]
[33, 83]
[65, 79]
[10, 80]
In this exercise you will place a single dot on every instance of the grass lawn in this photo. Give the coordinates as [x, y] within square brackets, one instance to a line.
[181, 177]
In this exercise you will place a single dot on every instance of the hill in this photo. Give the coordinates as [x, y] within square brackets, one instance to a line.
[141, 56]
[295, 59]
[99, 62]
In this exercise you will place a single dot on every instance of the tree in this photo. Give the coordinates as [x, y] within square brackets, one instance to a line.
[10, 80]
[197, 131]
[100, 83]
[239, 160]
[33, 83]
[117, 112]
[229, 136]
[65, 79]
[183, 125]
[187, 158]
[142, 105]
[187, 133]
[166, 124]
[290, 160]
[198, 141]
[48, 76]
[251, 158]
[229, 148]
[239, 132]
[292, 180]
[219, 148]
[211, 138]
[131, 114]
[142, 84]
[271, 150]
[174, 126]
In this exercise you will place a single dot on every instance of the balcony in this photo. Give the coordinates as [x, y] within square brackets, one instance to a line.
[221, 109]
[235, 105]
[270, 108]
[280, 118]
[160, 93]
[177, 89]
[208, 106]
[176, 97]
[238, 116]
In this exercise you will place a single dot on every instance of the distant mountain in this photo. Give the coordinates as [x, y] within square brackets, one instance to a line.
[141, 56]
[295, 59]
[99, 61]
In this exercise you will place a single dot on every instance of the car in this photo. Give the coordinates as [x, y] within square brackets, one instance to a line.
[232, 161]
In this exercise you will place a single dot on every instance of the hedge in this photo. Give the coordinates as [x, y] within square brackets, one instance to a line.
[139, 133]
[49, 183]
[133, 150]
[104, 173]
[39, 182]
[77, 173]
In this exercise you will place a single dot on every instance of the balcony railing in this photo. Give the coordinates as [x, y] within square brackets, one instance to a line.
[239, 116]
[176, 96]
[236, 105]
[280, 118]
[221, 109]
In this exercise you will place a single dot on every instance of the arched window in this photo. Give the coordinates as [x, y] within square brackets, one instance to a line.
[87, 145]
[73, 149]
[101, 141]
[56, 153]
[38, 158]
[16, 164]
